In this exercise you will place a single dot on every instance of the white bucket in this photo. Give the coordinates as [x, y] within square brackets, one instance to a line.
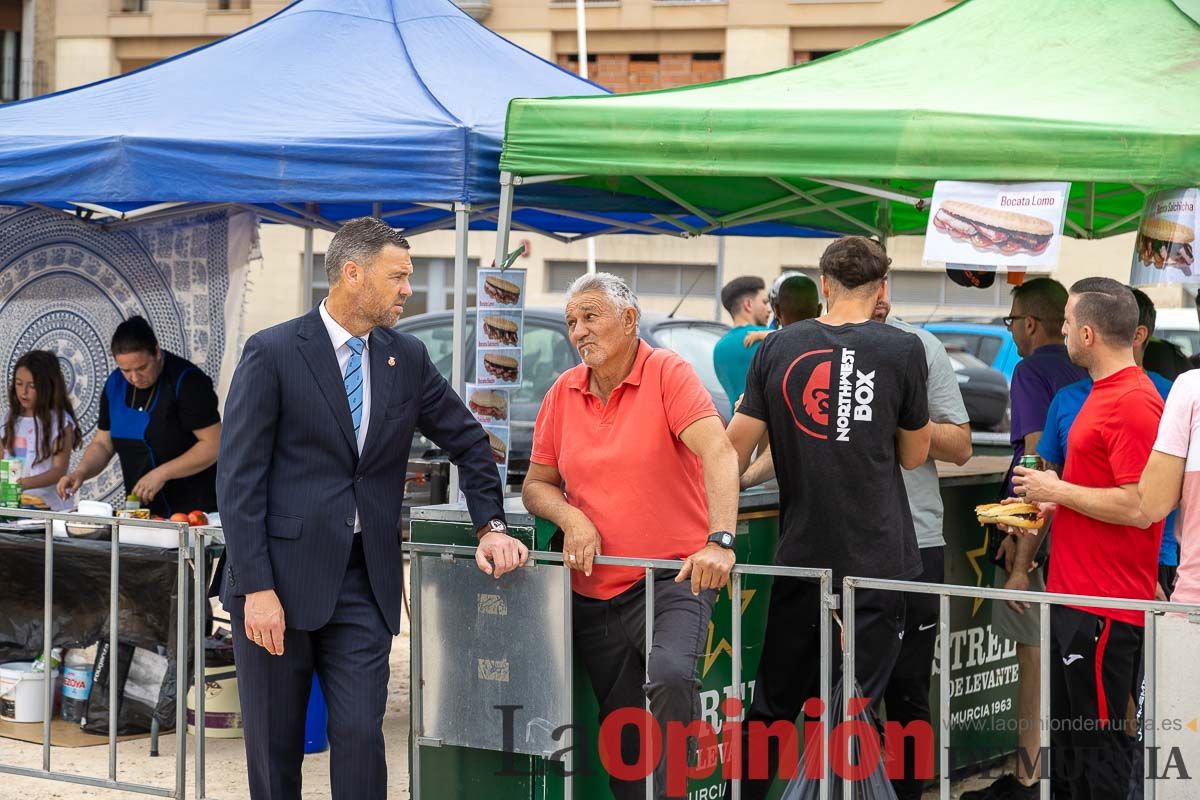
[222, 707]
[22, 696]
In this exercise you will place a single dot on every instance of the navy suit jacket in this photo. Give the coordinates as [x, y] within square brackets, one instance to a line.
[289, 474]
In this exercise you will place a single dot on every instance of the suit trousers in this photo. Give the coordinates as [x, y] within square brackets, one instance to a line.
[350, 657]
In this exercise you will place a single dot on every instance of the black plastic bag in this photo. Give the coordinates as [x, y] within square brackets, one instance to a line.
[144, 678]
[875, 786]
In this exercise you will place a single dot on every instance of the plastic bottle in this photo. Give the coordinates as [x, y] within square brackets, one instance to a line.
[77, 682]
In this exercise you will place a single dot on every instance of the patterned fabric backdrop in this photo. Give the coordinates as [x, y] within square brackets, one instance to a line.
[65, 285]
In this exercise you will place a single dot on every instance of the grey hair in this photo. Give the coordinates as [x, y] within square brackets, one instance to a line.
[359, 240]
[612, 287]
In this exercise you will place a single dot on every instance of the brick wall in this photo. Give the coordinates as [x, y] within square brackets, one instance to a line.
[639, 72]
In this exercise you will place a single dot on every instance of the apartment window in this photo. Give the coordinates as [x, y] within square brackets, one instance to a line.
[590, 3]
[805, 56]
[432, 284]
[924, 288]
[129, 6]
[638, 72]
[10, 65]
[228, 5]
[670, 280]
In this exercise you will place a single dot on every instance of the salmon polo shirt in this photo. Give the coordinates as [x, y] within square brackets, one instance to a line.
[624, 465]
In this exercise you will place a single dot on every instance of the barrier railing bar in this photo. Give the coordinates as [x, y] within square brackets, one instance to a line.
[1053, 598]
[181, 657]
[735, 635]
[47, 641]
[647, 738]
[568, 761]
[113, 643]
[84, 780]
[200, 679]
[1149, 713]
[619, 561]
[415, 675]
[113, 524]
[848, 674]
[944, 692]
[1044, 701]
[828, 602]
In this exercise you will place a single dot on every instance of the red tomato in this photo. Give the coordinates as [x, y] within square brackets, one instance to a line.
[197, 518]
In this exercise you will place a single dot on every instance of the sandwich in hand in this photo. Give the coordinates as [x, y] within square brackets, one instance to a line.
[500, 329]
[487, 403]
[1014, 515]
[1165, 244]
[1005, 232]
[499, 449]
[33, 501]
[503, 367]
[502, 291]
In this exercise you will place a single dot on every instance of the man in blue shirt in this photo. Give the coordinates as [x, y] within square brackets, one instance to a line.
[1052, 447]
[745, 299]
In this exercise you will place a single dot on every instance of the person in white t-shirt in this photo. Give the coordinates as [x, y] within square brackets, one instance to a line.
[41, 429]
[1172, 478]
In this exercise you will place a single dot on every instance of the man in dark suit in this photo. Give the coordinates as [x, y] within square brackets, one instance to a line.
[319, 420]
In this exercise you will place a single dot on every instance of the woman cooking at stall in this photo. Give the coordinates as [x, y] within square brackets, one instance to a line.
[159, 415]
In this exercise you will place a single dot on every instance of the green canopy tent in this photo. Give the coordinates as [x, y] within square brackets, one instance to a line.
[1102, 93]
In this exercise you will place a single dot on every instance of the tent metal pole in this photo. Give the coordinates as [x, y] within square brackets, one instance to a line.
[1125, 220]
[717, 304]
[644, 227]
[520, 180]
[667, 193]
[521, 226]
[462, 226]
[271, 214]
[1090, 216]
[377, 210]
[880, 232]
[874, 191]
[307, 280]
[504, 216]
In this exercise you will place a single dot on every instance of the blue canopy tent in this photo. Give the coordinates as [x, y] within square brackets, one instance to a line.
[328, 110]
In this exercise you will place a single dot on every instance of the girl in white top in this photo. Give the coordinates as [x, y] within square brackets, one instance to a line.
[41, 429]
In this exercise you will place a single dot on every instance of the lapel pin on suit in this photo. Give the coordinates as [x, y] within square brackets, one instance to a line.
[391, 361]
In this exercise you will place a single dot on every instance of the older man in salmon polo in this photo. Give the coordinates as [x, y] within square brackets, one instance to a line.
[630, 459]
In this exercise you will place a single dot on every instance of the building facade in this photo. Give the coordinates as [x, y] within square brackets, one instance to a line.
[633, 45]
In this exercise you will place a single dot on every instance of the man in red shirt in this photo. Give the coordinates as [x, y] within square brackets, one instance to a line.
[1099, 547]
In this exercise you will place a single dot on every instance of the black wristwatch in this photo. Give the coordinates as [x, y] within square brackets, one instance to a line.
[721, 539]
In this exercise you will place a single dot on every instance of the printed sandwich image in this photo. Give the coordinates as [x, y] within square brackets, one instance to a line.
[488, 403]
[1005, 232]
[499, 448]
[501, 330]
[502, 291]
[1014, 515]
[503, 368]
[1162, 243]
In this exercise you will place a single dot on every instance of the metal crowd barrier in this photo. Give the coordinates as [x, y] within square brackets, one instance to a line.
[181, 642]
[1151, 609]
[829, 600]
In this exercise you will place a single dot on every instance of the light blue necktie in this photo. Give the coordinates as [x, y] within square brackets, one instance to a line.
[353, 381]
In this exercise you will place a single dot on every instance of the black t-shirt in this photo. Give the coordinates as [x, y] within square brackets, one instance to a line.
[833, 398]
[154, 426]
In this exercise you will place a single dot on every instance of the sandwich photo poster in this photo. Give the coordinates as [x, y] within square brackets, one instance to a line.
[996, 225]
[490, 406]
[502, 289]
[499, 326]
[1162, 251]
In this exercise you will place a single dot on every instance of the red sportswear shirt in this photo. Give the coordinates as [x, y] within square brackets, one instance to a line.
[1108, 446]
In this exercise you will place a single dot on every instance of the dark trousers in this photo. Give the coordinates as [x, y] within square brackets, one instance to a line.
[1093, 669]
[610, 641]
[789, 671]
[907, 695]
[350, 656]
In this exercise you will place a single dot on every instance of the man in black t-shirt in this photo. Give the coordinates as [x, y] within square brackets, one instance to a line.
[843, 401]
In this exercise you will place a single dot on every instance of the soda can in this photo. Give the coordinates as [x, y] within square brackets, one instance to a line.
[1031, 462]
